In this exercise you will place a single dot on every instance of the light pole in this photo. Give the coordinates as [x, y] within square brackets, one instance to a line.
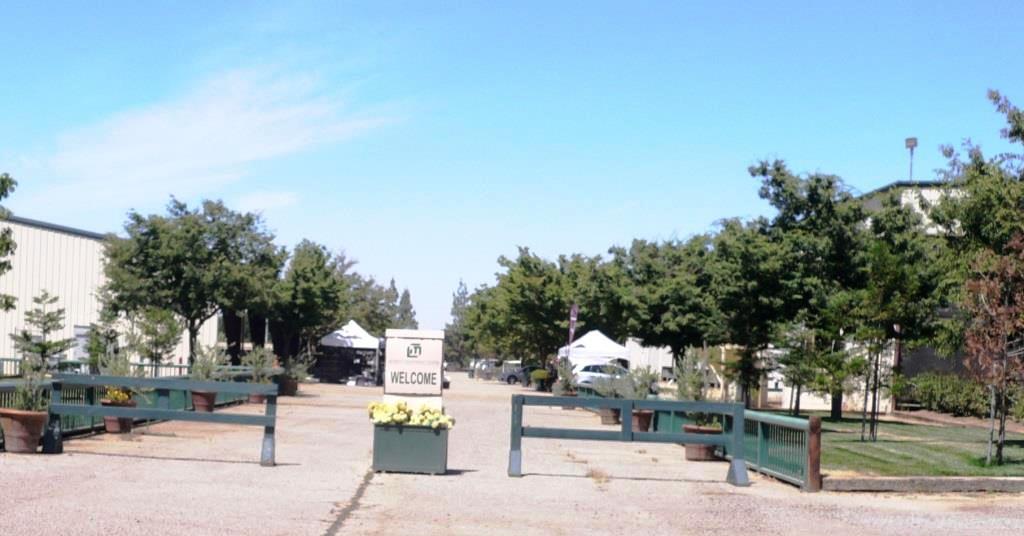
[910, 143]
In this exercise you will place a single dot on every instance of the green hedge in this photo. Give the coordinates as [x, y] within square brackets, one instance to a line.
[948, 393]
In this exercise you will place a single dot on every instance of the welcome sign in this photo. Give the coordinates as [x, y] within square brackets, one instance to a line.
[413, 362]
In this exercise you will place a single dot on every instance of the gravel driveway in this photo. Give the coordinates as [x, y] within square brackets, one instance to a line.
[191, 478]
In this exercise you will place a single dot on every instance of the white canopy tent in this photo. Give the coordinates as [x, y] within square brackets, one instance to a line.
[351, 335]
[594, 347]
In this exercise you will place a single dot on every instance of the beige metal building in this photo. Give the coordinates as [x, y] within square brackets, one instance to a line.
[68, 263]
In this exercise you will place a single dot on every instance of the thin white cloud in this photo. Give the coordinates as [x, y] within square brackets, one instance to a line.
[263, 201]
[195, 143]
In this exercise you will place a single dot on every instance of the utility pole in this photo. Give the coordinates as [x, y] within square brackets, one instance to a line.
[910, 143]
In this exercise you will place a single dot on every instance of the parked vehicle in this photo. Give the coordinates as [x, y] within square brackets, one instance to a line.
[585, 375]
[517, 374]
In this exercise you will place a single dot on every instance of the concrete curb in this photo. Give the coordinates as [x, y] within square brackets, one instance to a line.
[924, 484]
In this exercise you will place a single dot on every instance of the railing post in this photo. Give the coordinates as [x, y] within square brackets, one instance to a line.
[515, 451]
[626, 416]
[762, 445]
[738, 466]
[53, 437]
[813, 474]
[267, 453]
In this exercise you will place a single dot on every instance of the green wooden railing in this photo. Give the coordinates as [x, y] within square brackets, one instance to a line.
[737, 474]
[786, 448]
[91, 396]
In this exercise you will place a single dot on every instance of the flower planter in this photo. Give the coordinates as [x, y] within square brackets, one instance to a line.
[700, 453]
[610, 415]
[22, 429]
[257, 399]
[203, 401]
[287, 386]
[117, 425]
[642, 420]
[410, 449]
[568, 395]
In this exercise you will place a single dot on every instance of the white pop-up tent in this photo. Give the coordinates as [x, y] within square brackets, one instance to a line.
[351, 335]
[594, 347]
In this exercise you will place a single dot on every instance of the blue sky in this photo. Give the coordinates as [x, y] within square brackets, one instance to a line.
[426, 139]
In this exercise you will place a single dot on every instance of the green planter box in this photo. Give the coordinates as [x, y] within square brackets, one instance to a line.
[410, 449]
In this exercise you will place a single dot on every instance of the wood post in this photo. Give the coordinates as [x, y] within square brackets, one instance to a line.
[813, 482]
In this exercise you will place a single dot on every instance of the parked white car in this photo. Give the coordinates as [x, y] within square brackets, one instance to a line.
[585, 375]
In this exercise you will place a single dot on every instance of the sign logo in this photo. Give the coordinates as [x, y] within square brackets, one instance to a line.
[413, 350]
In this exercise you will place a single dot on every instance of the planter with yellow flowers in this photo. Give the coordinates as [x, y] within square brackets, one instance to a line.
[409, 441]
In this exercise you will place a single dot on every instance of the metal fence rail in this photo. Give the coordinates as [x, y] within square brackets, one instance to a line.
[783, 447]
[737, 474]
[786, 448]
[91, 396]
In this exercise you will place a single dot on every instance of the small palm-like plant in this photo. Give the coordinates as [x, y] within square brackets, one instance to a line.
[208, 365]
[261, 362]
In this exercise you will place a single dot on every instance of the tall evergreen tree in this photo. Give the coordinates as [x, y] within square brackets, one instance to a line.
[7, 245]
[406, 315]
[457, 345]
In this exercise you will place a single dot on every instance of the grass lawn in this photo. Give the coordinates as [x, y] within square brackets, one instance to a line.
[915, 450]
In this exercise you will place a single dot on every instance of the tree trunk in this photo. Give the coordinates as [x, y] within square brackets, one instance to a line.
[257, 330]
[796, 404]
[874, 400]
[233, 335]
[1002, 427]
[837, 406]
[193, 340]
[280, 338]
[864, 411]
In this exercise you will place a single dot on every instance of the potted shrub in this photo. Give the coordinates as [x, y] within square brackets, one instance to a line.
[539, 378]
[639, 385]
[564, 385]
[691, 379]
[608, 388]
[296, 369]
[207, 367]
[408, 441]
[113, 364]
[704, 425]
[24, 422]
[261, 362]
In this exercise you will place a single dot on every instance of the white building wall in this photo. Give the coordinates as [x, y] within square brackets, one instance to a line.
[641, 357]
[68, 264]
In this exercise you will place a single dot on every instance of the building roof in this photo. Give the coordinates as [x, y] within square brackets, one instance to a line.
[898, 185]
[55, 227]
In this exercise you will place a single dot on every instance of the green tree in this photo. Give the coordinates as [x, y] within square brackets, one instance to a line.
[457, 345]
[153, 334]
[668, 298]
[754, 283]
[981, 217]
[822, 225]
[406, 315]
[900, 296]
[306, 300]
[7, 245]
[173, 262]
[45, 320]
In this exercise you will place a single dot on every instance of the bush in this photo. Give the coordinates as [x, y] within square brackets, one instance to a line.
[948, 393]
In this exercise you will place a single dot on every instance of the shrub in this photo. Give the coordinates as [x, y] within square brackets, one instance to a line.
[948, 393]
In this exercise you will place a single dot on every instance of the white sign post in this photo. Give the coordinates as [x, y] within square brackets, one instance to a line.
[414, 366]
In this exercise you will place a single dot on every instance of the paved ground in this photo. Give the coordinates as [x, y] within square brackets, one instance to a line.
[198, 479]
